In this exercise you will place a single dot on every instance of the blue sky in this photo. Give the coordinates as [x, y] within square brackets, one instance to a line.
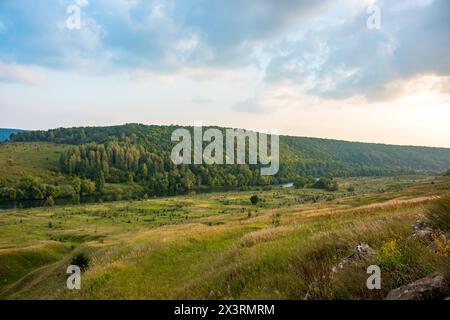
[309, 68]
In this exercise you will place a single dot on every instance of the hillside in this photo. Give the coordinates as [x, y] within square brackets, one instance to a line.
[305, 156]
[39, 160]
[6, 133]
[133, 161]
[220, 246]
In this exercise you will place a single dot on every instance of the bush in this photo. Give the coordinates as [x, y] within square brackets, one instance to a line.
[81, 260]
[87, 187]
[447, 173]
[8, 193]
[327, 184]
[49, 202]
[299, 183]
[438, 214]
[254, 199]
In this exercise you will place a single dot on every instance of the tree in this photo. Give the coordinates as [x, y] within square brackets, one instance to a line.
[144, 171]
[100, 182]
[447, 173]
[8, 193]
[332, 186]
[300, 183]
[130, 177]
[87, 187]
[326, 184]
[76, 184]
[29, 188]
[254, 199]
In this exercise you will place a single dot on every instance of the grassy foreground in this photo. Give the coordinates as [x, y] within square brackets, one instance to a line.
[219, 246]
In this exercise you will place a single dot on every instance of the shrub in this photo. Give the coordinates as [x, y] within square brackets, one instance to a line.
[49, 202]
[276, 220]
[441, 244]
[8, 193]
[87, 187]
[327, 184]
[438, 214]
[81, 260]
[254, 199]
[300, 183]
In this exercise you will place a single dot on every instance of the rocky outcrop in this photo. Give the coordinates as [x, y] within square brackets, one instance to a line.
[361, 251]
[422, 231]
[426, 288]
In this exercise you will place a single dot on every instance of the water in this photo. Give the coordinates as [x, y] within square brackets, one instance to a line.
[286, 185]
[26, 204]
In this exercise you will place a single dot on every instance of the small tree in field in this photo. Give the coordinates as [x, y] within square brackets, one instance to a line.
[447, 173]
[81, 260]
[254, 200]
[300, 183]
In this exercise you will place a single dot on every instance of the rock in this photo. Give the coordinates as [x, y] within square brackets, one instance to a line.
[425, 288]
[419, 225]
[364, 250]
[422, 231]
[361, 251]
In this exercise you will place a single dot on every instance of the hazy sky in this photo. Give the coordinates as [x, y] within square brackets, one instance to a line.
[307, 68]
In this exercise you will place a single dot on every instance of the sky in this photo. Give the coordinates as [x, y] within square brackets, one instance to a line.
[372, 71]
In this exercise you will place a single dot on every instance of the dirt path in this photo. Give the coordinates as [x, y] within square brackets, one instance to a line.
[397, 202]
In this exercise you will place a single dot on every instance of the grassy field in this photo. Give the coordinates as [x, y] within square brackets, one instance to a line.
[33, 159]
[218, 246]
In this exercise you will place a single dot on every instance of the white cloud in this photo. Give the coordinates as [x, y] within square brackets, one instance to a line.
[158, 11]
[21, 74]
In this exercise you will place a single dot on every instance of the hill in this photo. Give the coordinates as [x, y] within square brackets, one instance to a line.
[308, 155]
[138, 156]
[6, 133]
[39, 160]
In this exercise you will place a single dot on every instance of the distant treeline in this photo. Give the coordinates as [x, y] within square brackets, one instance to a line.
[6, 133]
[136, 153]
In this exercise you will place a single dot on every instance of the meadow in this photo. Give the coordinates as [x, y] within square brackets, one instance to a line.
[220, 246]
[39, 160]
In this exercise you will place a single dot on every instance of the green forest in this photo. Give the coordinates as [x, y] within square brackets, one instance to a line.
[139, 155]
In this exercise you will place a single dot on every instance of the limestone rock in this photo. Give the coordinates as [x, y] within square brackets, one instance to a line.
[361, 251]
[425, 288]
[422, 231]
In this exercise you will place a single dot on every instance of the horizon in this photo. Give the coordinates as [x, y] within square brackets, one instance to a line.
[223, 127]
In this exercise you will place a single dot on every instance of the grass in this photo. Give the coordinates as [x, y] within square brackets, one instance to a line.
[219, 246]
[438, 214]
[34, 159]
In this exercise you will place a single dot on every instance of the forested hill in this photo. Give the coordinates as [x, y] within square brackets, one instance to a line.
[5, 133]
[139, 152]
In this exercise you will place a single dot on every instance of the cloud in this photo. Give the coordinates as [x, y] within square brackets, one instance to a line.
[21, 74]
[321, 47]
[347, 59]
[159, 36]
